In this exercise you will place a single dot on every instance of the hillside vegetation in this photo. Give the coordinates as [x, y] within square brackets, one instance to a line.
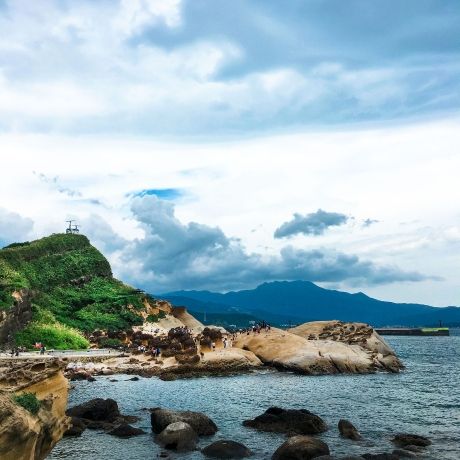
[73, 290]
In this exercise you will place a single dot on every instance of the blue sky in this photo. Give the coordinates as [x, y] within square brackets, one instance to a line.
[215, 144]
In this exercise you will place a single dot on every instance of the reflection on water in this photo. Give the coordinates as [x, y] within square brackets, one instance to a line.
[424, 399]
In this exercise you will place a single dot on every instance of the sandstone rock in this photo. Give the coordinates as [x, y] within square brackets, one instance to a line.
[296, 351]
[348, 430]
[405, 439]
[178, 436]
[126, 431]
[98, 409]
[225, 449]
[301, 448]
[288, 421]
[23, 435]
[201, 423]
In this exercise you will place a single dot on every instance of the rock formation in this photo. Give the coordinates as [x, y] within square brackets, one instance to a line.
[225, 449]
[322, 347]
[25, 435]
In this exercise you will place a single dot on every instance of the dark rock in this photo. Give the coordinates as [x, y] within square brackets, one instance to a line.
[168, 376]
[134, 379]
[383, 456]
[90, 378]
[348, 430]
[401, 453]
[301, 448]
[405, 439]
[201, 423]
[288, 421]
[226, 449]
[178, 436]
[126, 431]
[76, 428]
[97, 409]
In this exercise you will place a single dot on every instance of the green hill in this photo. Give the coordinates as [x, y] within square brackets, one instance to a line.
[72, 290]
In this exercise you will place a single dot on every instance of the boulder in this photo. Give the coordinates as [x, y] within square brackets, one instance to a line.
[201, 423]
[383, 456]
[348, 430]
[226, 449]
[98, 409]
[401, 453]
[405, 439]
[125, 431]
[288, 421]
[178, 436]
[77, 426]
[301, 448]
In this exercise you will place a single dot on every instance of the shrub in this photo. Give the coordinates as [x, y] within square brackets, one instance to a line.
[55, 336]
[28, 401]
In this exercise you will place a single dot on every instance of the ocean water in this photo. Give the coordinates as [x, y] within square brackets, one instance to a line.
[423, 399]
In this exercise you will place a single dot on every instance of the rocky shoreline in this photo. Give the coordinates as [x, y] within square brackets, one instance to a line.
[184, 431]
[317, 348]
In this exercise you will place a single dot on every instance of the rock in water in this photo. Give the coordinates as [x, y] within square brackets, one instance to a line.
[301, 448]
[226, 449]
[98, 409]
[405, 439]
[126, 431]
[380, 457]
[76, 428]
[178, 436]
[348, 430]
[201, 423]
[288, 421]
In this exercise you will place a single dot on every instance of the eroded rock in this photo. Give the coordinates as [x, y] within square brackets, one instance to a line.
[348, 430]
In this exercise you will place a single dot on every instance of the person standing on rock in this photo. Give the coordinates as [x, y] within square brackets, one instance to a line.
[213, 345]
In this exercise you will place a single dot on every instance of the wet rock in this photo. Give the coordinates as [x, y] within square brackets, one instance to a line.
[178, 436]
[348, 430]
[406, 439]
[224, 449]
[126, 431]
[134, 379]
[383, 456]
[77, 426]
[301, 448]
[288, 421]
[401, 453]
[97, 409]
[201, 423]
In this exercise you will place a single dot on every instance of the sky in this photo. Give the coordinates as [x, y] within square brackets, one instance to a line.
[207, 144]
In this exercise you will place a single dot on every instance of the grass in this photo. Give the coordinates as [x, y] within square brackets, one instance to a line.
[74, 291]
[28, 401]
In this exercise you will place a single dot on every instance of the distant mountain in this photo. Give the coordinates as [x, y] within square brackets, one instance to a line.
[300, 301]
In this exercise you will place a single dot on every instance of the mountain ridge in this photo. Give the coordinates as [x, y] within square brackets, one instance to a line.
[305, 301]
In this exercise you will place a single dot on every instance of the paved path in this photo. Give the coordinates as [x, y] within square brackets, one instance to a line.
[73, 354]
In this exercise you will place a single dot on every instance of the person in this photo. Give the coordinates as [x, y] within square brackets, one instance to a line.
[158, 352]
[225, 342]
[213, 345]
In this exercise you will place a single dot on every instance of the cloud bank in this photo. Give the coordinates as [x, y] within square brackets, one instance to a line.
[205, 68]
[172, 255]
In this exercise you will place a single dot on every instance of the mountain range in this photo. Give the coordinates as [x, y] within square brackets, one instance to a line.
[290, 302]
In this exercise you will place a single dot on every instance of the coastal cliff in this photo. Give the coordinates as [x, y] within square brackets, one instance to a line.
[29, 433]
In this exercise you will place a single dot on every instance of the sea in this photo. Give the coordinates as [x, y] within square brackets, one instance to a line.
[423, 399]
